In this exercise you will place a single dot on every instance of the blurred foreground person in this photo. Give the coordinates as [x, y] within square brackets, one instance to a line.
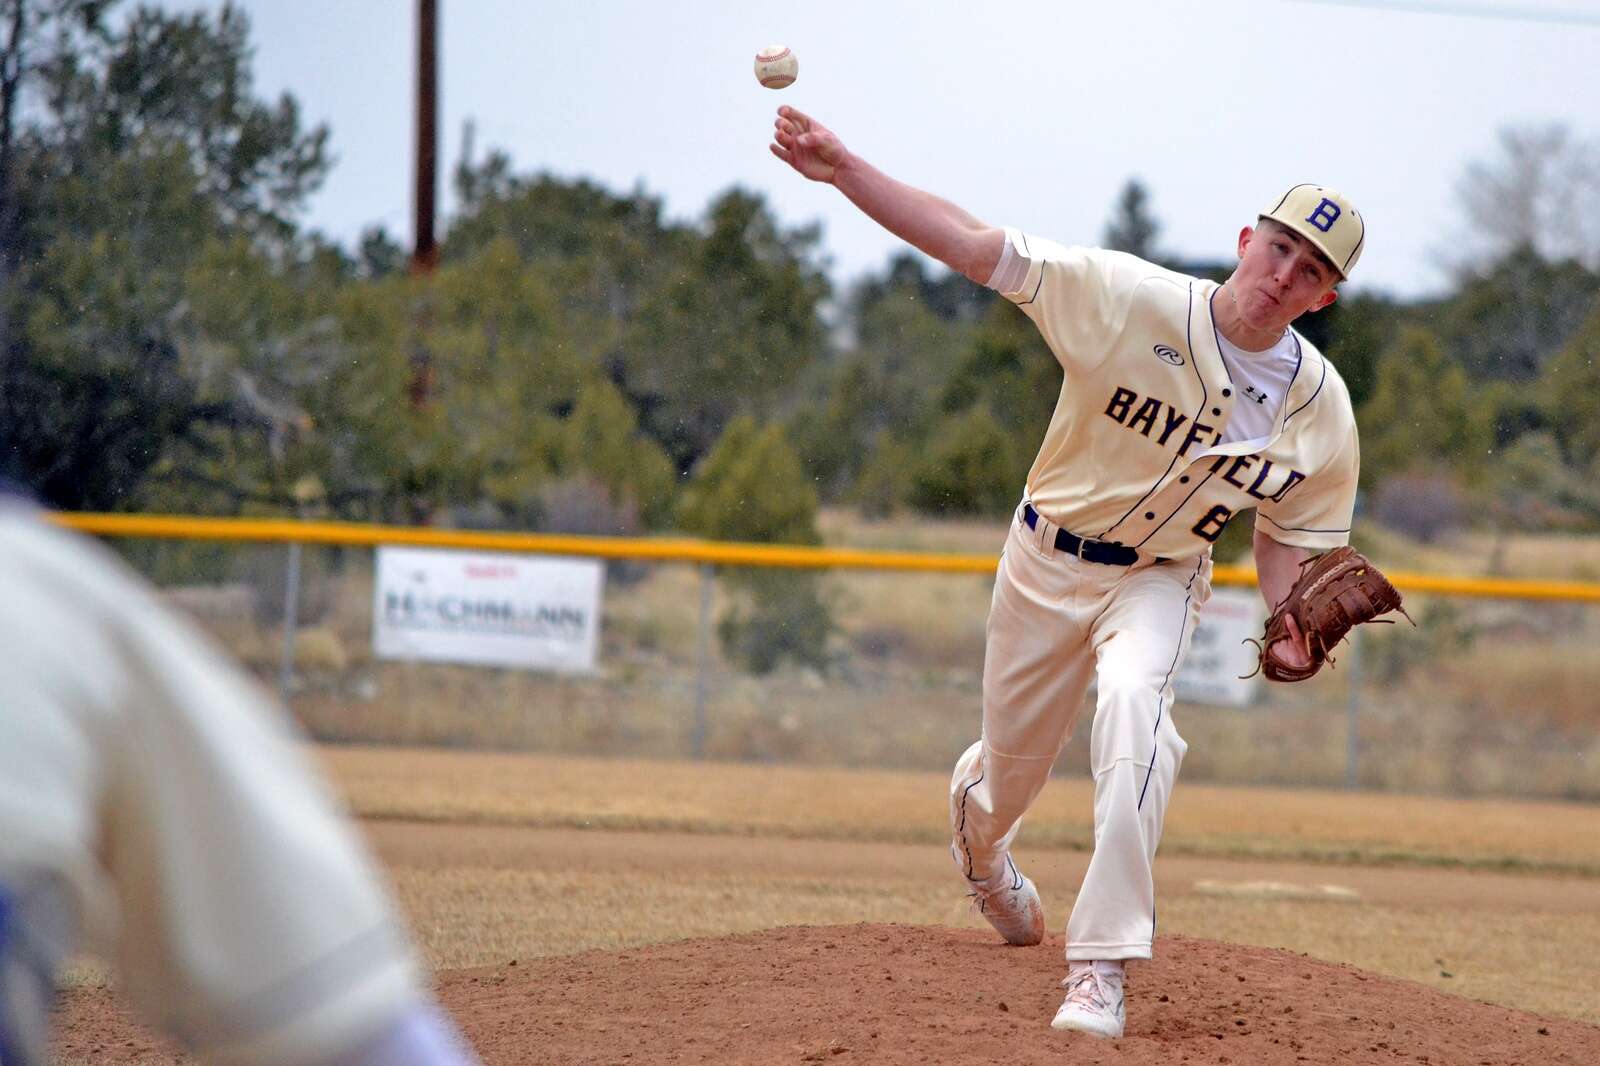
[156, 808]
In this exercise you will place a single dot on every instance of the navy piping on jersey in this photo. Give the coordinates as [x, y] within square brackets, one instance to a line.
[1165, 681]
[961, 827]
[1299, 361]
[1301, 529]
[1314, 392]
[1216, 334]
[1299, 356]
[1163, 523]
[1036, 288]
[1029, 255]
[1205, 396]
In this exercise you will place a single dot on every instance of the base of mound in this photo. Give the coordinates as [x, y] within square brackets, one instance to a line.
[925, 994]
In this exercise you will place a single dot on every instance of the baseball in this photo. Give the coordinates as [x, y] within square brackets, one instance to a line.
[776, 66]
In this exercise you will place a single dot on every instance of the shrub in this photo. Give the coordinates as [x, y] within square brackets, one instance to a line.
[970, 468]
[751, 488]
[601, 439]
[780, 615]
[885, 481]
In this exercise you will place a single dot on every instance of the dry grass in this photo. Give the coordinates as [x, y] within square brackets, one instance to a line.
[913, 533]
[923, 622]
[535, 913]
[1522, 960]
[1549, 556]
[540, 790]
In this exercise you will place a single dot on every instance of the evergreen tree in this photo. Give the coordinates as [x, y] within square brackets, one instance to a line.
[1133, 228]
[1569, 392]
[750, 488]
[1422, 411]
[144, 151]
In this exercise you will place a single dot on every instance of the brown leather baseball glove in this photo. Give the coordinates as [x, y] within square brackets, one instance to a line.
[1335, 592]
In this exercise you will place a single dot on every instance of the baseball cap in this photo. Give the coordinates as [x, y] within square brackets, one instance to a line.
[1327, 219]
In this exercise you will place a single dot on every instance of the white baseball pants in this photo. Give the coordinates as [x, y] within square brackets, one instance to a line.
[1055, 623]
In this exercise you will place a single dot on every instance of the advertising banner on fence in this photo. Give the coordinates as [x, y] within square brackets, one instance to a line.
[487, 609]
[1218, 654]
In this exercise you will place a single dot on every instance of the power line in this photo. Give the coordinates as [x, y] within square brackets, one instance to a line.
[1503, 12]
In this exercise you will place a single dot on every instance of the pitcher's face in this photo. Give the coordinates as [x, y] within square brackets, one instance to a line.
[1280, 277]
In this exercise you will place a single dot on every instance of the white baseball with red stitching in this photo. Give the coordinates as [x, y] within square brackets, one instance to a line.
[776, 66]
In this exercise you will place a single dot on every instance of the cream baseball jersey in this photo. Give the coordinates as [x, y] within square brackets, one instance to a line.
[155, 790]
[1134, 452]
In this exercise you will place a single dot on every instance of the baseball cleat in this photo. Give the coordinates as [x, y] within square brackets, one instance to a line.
[1012, 907]
[1094, 1002]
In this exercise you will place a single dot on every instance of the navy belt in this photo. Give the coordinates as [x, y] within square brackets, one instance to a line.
[1090, 551]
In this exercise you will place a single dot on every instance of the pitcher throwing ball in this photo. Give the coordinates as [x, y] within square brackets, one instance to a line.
[1183, 403]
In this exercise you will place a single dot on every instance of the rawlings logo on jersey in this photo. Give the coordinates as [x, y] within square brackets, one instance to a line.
[1168, 355]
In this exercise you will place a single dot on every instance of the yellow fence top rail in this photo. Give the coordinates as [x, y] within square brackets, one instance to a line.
[685, 550]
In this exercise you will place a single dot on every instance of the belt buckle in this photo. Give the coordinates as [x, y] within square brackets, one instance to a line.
[1083, 542]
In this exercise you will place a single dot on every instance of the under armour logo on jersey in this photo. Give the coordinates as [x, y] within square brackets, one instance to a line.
[1255, 394]
[1168, 355]
[1326, 214]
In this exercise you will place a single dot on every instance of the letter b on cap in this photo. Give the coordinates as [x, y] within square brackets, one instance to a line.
[1312, 211]
[1325, 215]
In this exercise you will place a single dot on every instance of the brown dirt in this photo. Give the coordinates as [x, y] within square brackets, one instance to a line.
[919, 994]
[763, 966]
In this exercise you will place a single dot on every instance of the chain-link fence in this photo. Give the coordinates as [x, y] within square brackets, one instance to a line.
[1491, 694]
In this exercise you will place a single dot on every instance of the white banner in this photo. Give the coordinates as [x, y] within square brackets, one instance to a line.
[487, 608]
[1218, 654]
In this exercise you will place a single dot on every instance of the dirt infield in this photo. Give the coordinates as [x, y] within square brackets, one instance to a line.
[919, 994]
[733, 914]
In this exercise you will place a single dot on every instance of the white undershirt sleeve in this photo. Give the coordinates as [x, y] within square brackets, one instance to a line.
[1012, 269]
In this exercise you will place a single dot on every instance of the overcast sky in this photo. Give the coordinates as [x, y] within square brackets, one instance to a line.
[1027, 113]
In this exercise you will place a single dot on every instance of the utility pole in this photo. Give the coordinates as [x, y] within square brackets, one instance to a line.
[425, 256]
[425, 252]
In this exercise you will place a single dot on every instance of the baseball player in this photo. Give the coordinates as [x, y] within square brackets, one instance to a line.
[1183, 402]
[156, 807]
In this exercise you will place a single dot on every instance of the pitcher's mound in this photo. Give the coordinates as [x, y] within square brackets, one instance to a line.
[922, 994]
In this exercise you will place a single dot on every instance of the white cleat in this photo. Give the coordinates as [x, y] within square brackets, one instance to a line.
[1012, 907]
[1094, 1002]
